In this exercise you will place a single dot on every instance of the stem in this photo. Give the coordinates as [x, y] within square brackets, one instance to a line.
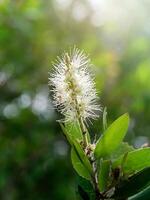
[74, 97]
[97, 192]
[84, 132]
[82, 126]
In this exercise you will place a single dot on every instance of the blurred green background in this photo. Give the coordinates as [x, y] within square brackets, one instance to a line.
[34, 156]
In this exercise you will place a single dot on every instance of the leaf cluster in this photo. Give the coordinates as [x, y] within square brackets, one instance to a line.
[109, 168]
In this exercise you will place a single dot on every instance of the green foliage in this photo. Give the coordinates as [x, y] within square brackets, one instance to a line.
[104, 175]
[68, 136]
[134, 161]
[123, 159]
[85, 189]
[112, 137]
[73, 129]
[133, 185]
[82, 156]
[144, 195]
[79, 150]
[79, 166]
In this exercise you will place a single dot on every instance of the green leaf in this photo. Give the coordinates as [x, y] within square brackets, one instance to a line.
[79, 150]
[103, 175]
[85, 189]
[133, 185]
[135, 160]
[82, 156]
[82, 195]
[73, 129]
[144, 195]
[112, 137]
[68, 137]
[78, 165]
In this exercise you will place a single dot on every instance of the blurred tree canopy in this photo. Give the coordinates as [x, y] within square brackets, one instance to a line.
[34, 161]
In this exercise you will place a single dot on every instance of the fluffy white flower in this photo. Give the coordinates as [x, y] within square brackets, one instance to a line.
[73, 89]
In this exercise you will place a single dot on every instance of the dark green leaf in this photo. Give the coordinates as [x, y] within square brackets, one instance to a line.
[85, 189]
[84, 195]
[144, 195]
[133, 185]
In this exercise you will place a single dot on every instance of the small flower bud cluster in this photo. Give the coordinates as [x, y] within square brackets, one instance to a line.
[73, 89]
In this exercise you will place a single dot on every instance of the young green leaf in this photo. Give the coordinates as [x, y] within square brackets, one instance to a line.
[78, 165]
[73, 129]
[103, 175]
[82, 156]
[133, 185]
[68, 137]
[112, 137]
[79, 151]
[135, 161]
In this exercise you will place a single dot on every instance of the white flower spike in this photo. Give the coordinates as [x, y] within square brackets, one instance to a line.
[73, 89]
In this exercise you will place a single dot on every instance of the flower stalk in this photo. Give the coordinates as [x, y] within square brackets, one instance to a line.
[77, 105]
